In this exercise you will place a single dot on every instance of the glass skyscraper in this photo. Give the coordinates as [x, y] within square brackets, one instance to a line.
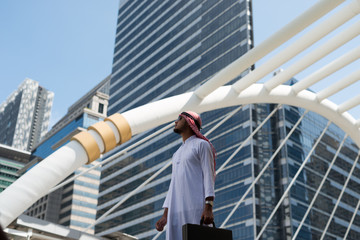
[329, 150]
[164, 48]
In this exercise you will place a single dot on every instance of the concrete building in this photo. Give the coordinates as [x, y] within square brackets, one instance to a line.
[74, 204]
[25, 115]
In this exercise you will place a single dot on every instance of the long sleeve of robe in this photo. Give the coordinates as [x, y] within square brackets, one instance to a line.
[192, 181]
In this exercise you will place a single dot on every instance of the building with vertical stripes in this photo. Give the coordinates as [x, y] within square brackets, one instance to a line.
[164, 48]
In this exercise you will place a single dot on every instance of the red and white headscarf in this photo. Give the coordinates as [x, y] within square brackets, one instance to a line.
[194, 121]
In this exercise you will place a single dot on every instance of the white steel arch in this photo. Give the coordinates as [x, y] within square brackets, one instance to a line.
[213, 95]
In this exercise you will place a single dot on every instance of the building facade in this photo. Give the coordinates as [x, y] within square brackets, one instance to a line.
[325, 159]
[164, 48]
[12, 161]
[25, 115]
[74, 205]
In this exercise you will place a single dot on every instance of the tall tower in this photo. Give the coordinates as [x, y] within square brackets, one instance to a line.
[25, 115]
[164, 48]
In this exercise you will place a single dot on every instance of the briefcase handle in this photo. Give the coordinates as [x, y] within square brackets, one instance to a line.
[202, 222]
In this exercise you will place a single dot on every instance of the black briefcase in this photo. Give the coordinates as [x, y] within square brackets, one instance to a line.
[201, 232]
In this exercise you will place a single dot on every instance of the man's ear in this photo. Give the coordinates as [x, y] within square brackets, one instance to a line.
[189, 128]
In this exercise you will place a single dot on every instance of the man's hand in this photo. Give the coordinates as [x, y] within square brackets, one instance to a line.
[207, 214]
[162, 221]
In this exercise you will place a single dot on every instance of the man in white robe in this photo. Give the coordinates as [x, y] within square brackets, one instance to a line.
[191, 192]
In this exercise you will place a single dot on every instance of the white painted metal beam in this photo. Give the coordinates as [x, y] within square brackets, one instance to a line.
[232, 71]
[327, 70]
[338, 86]
[339, 198]
[321, 30]
[221, 168]
[283, 142]
[292, 183]
[355, 101]
[352, 220]
[318, 189]
[320, 52]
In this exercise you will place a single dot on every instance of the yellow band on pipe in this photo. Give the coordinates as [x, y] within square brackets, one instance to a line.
[106, 134]
[89, 144]
[122, 125]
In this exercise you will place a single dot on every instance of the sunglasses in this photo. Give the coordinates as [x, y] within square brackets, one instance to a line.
[188, 115]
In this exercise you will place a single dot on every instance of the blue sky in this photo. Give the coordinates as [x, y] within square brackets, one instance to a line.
[67, 45]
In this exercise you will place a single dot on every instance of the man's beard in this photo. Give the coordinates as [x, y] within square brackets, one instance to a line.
[176, 130]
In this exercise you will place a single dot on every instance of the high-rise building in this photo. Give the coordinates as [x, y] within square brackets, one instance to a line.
[319, 151]
[164, 48]
[74, 205]
[25, 115]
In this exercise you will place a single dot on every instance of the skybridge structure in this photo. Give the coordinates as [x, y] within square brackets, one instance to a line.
[334, 22]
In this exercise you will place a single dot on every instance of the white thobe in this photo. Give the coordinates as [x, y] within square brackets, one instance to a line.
[191, 182]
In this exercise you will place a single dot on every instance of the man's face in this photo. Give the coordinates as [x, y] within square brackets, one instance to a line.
[180, 125]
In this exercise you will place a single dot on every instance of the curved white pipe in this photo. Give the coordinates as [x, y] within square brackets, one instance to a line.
[25, 191]
[20, 195]
[153, 114]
